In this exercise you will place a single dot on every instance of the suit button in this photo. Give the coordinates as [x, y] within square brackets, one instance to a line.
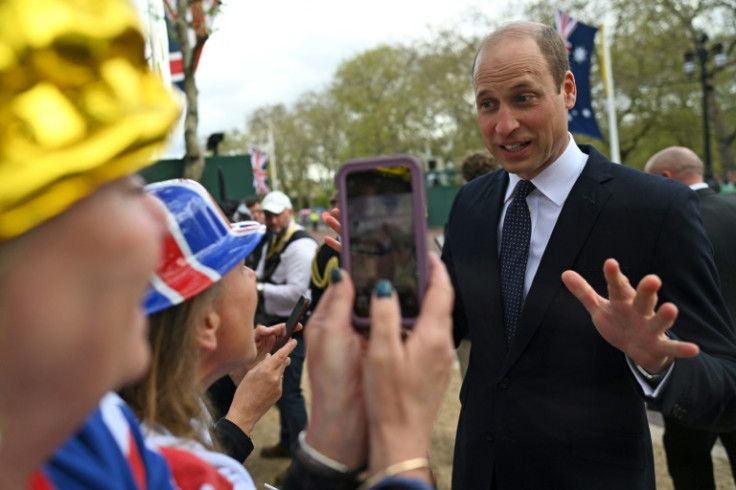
[504, 383]
[490, 437]
[678, 412]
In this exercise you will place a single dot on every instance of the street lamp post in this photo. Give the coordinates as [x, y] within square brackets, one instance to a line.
[702, 53]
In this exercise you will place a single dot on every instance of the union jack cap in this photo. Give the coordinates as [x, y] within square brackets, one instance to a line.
[200, 247]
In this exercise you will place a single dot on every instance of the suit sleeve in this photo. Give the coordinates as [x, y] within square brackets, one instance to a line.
[460, 324]
[702, 390]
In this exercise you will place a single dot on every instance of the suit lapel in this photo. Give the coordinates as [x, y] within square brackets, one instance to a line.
[482, 213]
[579, 213]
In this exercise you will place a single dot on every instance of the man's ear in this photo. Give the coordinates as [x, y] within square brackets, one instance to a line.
[206, 334]
[569, 90]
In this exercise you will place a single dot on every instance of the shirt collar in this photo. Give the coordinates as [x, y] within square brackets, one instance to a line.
[699, 185]
[556, 181]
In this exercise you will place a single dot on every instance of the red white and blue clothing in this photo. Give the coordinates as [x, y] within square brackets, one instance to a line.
[109, 452]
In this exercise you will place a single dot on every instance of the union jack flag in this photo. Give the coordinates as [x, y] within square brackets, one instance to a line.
[565, 25]
[202, 15]
[259, 161]
[579, 40]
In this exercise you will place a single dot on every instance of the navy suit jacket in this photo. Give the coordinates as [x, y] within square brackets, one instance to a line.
[559, 408]
[719, 219]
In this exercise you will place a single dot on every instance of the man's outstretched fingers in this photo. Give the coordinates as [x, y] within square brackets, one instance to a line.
[664, 318]
[583, 291]
[645, 300]
[685, 349]
[619, 287]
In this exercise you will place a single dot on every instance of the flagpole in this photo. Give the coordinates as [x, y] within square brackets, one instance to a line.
[610, 99]
[272, 171]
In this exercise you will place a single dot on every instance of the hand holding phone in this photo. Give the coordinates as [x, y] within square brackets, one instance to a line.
[384, 231]
[296, 315]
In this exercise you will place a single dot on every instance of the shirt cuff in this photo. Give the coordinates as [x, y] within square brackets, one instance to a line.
[650, 389]
[402, 483]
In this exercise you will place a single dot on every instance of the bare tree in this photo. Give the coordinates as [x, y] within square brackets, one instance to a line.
[192, 15]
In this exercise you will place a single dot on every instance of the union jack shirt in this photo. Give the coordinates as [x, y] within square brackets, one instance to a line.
[109, 452]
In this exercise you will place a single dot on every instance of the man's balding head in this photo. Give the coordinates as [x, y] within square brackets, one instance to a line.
[678, 163]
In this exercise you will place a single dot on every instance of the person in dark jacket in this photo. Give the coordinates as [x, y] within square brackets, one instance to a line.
[689, 449]
[586, 287]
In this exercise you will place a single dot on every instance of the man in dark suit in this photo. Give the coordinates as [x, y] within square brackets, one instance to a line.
[688, 449]
[554, 394]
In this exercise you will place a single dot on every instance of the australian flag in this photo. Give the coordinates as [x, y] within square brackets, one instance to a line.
[579, 39]
[259, 161]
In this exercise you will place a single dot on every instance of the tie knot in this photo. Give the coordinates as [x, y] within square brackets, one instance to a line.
[523, 188]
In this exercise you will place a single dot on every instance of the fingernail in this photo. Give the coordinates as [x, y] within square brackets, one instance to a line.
[383, 288]
[335, 275]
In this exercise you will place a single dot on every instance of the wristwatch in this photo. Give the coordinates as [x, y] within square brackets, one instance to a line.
[652, 378]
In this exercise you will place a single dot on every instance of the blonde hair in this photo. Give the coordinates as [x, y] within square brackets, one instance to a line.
[170, 394]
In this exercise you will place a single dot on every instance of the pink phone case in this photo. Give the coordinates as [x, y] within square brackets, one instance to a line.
[419, 221]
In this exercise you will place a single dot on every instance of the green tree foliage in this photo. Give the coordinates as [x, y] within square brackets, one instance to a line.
[657, 105]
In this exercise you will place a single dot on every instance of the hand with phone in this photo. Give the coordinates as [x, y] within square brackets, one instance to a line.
[375, 400]
[259, 389]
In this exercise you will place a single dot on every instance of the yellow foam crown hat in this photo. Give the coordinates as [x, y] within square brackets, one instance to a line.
[79, 106]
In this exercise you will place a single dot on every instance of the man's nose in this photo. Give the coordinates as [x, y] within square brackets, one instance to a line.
[506, 121]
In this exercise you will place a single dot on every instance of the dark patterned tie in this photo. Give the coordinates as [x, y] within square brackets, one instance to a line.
[517, 230]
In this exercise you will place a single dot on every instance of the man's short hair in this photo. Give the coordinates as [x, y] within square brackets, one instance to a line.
[251, 201]
[547, 38]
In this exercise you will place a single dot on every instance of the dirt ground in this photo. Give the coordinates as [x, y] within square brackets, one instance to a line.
[443, 439]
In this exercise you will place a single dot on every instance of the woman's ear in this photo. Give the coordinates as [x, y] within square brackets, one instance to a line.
[206, 334]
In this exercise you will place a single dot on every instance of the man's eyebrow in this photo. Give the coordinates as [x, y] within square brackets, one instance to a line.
[523, 85]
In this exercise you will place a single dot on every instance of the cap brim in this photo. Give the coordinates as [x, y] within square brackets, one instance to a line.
[274, 209]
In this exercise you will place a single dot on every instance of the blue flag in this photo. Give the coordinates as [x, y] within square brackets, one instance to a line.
[579, 39]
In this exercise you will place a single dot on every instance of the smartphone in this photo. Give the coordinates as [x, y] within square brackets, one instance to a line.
[296, 315]
[384, 231]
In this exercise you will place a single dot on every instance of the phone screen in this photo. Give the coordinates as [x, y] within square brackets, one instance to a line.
[382, 242]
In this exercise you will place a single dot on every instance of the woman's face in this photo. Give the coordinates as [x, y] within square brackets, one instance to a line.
[72, 295]
[235, 304]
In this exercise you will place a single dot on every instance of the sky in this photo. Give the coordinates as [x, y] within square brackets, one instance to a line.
[270, 52]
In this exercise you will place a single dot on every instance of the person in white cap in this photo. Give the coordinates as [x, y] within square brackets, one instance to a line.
[284, 272]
